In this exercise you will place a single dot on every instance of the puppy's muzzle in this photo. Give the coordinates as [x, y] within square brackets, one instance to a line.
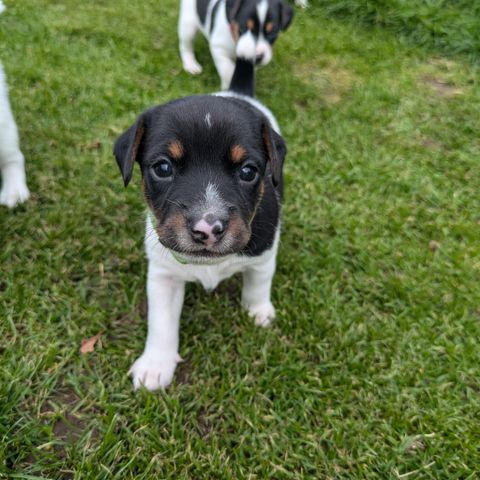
[209, 230]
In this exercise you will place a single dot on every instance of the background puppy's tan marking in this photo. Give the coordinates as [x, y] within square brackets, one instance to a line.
[235, 31]
[175, 149]
[237, 153]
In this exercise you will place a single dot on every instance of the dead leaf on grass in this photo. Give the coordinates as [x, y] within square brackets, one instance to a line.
[95, 145]
[88, 344]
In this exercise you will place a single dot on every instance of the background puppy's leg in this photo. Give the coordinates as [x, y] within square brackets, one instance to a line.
[225, 65]
[155, 368]
[187, 29]
[257, 284]
[14, 186]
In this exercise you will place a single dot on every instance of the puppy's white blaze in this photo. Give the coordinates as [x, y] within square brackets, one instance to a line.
[208, 120]
[262, 9]
[246, 46]
[2, 6]
[212, 197]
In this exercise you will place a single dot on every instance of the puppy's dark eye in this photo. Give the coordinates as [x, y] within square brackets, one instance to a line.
[248, 173]
[163, 169]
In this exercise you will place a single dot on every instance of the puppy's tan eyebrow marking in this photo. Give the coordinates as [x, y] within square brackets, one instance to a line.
[237, 153]
[175, 149]
[269, 27]
[250, 24]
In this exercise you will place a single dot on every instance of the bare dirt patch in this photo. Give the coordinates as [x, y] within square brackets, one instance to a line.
[332, 79]
[69, 425]
[442, 87]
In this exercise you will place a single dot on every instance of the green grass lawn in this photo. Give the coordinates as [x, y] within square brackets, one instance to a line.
[372, 369]
[452, 26]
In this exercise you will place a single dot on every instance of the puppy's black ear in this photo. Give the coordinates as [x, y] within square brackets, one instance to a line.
[127, 147]
[232, 8]
[286, 15]
[275, 149]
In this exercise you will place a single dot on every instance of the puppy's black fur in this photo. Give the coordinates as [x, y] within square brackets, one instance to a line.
[206, 157]
[243, 80]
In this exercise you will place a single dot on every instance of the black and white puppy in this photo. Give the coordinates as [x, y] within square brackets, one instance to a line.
[212, 178]
[233, 28]
[14, 186]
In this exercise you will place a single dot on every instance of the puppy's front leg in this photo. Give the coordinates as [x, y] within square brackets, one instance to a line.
[187, 29]
[14, 186]
[225, 65]
[155, 368]
[257, 284]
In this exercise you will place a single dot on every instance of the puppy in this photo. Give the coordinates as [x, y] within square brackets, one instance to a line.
[233, 28]
[14, 187]
[212, 179]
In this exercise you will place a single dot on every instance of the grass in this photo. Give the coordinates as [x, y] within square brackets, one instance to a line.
[451, 26]
[372, 368]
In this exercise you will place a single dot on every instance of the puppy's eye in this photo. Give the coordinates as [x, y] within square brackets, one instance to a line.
[248, 173]
[163, 169]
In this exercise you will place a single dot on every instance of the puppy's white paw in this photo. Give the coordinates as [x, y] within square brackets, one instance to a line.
[13, 192]
[192, 66]
[153, 372]
[263, 314]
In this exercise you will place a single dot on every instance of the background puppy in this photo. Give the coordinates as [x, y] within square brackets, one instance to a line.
[245, 28]
[212, 178]
[14, 187]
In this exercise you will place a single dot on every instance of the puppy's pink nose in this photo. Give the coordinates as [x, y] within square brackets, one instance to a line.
[209, 230]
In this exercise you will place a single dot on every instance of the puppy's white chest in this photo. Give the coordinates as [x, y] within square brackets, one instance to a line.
[211, 275]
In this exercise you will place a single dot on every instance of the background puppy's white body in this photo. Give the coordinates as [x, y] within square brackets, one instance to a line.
[14, 187]
[223, 48]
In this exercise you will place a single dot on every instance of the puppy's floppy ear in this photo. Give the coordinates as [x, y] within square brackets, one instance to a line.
[275, 149]
[286, 15]
[127, 146]
[232, 8]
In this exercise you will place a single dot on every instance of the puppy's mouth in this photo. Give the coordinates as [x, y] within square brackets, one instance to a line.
[201, 253]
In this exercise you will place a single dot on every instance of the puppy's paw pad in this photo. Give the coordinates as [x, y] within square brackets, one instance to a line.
[13, 194]
[153, 373]
[263, 314]
[193, 67]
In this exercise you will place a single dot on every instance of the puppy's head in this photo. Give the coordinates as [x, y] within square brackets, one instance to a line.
[255, 25]
[205, 164]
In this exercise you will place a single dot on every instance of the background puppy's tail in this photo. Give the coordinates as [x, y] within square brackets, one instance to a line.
[243, 80]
